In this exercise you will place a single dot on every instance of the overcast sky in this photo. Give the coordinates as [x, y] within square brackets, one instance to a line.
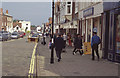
[36, 12]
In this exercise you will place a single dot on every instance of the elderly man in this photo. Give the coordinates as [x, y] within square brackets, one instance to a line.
[59, 44]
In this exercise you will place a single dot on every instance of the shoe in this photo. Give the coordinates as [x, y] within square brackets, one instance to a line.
[58, 60]
[82, 54]
[74, 53]
[93, 59]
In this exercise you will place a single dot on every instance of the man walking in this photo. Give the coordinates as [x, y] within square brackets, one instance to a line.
[59, 43]
[95, 41]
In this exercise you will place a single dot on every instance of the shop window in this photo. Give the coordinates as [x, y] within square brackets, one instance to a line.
[118, 35]
[111, 30]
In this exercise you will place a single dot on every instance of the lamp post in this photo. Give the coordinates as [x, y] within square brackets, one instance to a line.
[52, 46]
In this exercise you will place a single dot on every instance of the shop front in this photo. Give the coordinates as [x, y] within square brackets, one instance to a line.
[69, 28]
[112, 39]
[91, 19]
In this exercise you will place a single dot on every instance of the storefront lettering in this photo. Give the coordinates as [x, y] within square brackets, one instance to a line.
[88, 12]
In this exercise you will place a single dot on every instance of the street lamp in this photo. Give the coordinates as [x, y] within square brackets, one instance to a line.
[52, 46]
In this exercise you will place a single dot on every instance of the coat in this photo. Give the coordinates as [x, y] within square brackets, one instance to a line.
[78, 43]
[59, 43]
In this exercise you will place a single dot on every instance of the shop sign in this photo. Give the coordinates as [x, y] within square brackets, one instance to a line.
[88, 12]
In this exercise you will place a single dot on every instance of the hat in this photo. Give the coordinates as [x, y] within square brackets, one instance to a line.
[95, 30]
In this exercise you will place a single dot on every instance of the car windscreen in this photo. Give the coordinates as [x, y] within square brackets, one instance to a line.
[14, 34]
[34, 35]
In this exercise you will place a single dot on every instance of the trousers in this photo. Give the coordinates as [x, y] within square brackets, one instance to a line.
[58, 54]
[95, 48]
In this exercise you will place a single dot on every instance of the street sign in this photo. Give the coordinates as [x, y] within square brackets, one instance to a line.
[87, 47]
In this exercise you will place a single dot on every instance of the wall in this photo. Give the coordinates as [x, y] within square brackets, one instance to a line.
[24, 25]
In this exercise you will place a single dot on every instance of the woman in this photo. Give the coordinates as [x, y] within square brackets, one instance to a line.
[78, 45]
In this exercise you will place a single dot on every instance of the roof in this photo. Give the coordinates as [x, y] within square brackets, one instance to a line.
[7, 15]
[17, 24]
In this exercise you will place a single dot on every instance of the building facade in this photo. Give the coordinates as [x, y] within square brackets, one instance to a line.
[63, 17]
[7, 21]
[85, 16]
[17, 27]
[26, 26]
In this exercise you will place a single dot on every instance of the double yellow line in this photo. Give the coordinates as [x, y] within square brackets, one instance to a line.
[32, 64]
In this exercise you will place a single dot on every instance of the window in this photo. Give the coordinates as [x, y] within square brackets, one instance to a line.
[17, 28]
[68, 2]
[118, 35]
[68, 9]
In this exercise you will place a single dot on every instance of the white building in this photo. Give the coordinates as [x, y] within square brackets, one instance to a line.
[17, 28]
[63, 16]
[38, 29]
[26, 26]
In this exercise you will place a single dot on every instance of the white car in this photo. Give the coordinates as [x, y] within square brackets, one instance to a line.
[40, 34]
[14, 36]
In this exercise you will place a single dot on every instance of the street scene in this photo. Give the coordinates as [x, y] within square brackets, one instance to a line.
[61, 38]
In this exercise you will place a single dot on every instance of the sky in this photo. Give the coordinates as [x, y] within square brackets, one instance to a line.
[36, 12]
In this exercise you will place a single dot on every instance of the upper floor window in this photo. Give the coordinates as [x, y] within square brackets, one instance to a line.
[68, 2]
[68, 9]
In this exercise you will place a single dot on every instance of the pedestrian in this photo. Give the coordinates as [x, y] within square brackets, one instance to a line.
[95, 41]
[64, 38]
[59, 43]
[78, 45]
[69, 40]
[50, 44]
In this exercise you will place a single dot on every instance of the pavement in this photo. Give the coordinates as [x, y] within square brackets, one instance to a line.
[72, 65]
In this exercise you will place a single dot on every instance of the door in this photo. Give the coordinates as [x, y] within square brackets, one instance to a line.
[111, 38]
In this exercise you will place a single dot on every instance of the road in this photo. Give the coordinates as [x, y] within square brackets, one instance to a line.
[16, 57]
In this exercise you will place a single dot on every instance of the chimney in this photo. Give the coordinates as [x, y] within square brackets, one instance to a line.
[1, 10]
[6, 11]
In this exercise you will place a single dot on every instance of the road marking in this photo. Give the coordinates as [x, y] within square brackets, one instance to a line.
[32, 64]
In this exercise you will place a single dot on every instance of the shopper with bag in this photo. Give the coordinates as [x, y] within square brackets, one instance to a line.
[95, 41]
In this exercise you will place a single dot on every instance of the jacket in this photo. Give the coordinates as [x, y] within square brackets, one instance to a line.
[78, 43]
[95, 40]
[59, 43]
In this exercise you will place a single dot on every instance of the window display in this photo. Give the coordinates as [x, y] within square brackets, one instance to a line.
[118, 35]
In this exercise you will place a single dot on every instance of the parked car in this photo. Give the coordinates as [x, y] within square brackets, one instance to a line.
[15, 36]
[8, 34]
[21, 34]
[40, 34]
[35, 35]
[3, 37]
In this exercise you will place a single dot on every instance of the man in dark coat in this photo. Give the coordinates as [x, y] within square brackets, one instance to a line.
[78, 45]
[59, 44]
